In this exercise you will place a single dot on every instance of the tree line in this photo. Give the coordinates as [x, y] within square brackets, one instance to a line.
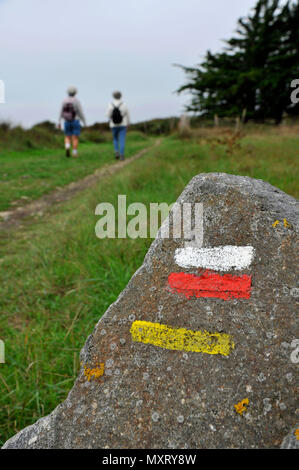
[251, 78]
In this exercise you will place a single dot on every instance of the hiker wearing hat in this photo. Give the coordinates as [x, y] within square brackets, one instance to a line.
[71, 111]
[119, 120]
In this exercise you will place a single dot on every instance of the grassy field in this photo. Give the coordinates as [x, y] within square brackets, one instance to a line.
[29, 174]
[58, 279]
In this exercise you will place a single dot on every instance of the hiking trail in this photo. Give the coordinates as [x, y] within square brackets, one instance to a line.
[13, 217]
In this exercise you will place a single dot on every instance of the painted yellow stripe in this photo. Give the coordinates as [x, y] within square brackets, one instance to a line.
[181, 339]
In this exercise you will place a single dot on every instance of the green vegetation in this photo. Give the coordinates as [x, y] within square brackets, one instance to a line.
[29, 174]
[252, 76]
[43, 135]
[157, 126]
[57, 279]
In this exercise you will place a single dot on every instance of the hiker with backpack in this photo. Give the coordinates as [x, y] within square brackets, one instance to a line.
[71, 111]
[119, 120]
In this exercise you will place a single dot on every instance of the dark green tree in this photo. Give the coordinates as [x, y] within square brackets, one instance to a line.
[255, 70]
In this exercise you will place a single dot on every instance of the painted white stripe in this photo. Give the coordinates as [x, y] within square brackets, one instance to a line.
[221, 258]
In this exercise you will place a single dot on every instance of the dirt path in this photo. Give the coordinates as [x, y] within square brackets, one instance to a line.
[14, 217]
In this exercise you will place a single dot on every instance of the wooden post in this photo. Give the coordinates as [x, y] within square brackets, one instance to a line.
[237, 127]
[184, 125]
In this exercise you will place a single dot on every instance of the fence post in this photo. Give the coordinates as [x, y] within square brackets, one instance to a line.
[237, 127]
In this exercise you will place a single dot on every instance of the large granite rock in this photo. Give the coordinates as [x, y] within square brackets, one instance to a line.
[174, 381]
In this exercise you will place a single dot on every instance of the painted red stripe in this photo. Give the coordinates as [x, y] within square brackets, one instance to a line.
[211, 284]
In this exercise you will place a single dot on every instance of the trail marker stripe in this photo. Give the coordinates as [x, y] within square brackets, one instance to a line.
[211, 285]
[222, 258]
[181, 339]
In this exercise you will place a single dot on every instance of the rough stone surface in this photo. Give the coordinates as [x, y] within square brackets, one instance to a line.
[151, 397]
[290, 441]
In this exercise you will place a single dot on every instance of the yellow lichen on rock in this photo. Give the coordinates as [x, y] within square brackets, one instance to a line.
[240, 407]
[95, 372]
[286, 223]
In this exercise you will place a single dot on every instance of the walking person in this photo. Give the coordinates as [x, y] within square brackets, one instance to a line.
[71, 111]
[119, 121]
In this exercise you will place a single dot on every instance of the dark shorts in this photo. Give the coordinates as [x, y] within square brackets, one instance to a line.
[72, 127]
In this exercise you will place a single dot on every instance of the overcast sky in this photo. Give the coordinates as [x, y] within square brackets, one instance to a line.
[100, 46]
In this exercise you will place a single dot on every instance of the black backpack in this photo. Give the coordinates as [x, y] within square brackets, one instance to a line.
[116, 115]
[68, 112]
